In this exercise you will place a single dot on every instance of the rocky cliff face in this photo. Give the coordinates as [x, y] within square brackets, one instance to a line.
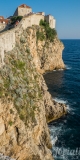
[25, 104]
[47, 55]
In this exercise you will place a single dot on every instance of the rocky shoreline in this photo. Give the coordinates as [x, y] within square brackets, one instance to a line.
[53, 109]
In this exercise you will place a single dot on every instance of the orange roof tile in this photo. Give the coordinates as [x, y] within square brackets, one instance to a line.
[24, 6]
[4, 20]
[1, 17]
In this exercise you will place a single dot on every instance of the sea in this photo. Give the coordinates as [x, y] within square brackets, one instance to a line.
[64, 86]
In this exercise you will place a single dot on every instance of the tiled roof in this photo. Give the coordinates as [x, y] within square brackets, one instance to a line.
[24, 6]
[4, 21]
[1, 17]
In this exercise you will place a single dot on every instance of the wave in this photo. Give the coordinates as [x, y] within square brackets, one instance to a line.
[58, 152]
[69, 108]
[68, 67]
[61, 153]
[57, 70]
[54, 133]
[54, 70]
[54, 140]
[60, 100]
[65, 132]
[65, 154]
[60, 69]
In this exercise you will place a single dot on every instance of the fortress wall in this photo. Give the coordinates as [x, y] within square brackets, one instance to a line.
[2, 26]
[35, 19]
[7, 43]
[23, 11]
[7, 38]
[52, 22]
[50, 19]
[31, 20]
[26, 22]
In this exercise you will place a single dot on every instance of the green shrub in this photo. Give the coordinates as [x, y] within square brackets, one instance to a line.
[1, 92]
[40, 35]
[44, 23]
[16, 18]
[27, 50]
[19, 83]
[10, 123]
[22, 117]
[19, 64]
[50, 32]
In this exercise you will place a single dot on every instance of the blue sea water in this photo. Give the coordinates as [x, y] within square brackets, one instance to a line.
[64, 86]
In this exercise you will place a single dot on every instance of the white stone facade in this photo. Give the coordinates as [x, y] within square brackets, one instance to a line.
[25, 10]
[22, 10]
[7, 43]
[8, 38]
[50, 19]
[2, 26]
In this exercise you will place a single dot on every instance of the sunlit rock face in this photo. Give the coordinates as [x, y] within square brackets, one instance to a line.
[47, 55]
[25, 104]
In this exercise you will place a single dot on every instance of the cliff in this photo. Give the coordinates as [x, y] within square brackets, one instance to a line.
[47, 55]
[25, 104]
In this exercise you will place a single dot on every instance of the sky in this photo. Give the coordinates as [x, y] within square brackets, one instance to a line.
[66, 13]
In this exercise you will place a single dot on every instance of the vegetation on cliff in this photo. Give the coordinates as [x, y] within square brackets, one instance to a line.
[46, 34]
[24, 98]
[20, 83]
[14, 19]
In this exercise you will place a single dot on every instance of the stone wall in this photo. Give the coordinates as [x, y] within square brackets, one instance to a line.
[7, 43]
[26, 22]
[22, 11]
[2, 26]
[35, 19]
[30, 20]
[50, 19]
[7, 38]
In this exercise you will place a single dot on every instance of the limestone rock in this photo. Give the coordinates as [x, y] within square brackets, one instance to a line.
[25, 104]
[47, 55]
[2, 127]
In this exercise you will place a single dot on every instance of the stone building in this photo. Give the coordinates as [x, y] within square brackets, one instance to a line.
[50, 19]
[1, 17]
[22, 10]
[3, 22]
[34, 18]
